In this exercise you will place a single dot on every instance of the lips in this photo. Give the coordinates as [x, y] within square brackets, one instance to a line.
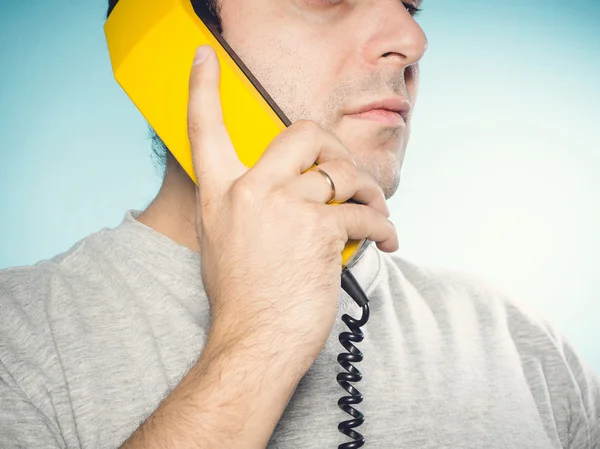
[392, 110]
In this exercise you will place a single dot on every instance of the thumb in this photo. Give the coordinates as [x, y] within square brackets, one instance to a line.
[215, 160]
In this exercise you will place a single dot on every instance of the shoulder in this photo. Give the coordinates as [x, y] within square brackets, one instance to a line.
[437, 278]
[32, 298]
[28, 287]
[471, 301]
[464, 289]
[492, 311]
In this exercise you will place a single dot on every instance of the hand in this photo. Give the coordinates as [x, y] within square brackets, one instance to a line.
[270, 245]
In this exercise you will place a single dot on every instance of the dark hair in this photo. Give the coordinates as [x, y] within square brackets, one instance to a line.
[209, 10]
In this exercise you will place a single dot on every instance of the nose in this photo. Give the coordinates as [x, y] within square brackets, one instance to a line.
[392, 36]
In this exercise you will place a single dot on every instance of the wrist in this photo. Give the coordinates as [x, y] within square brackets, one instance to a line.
[268, 347]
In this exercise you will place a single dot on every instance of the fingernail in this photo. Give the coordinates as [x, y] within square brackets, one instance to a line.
[202, 53]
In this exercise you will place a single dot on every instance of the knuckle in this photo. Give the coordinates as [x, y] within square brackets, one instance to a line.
[368, 182]
[350, 170]
[315, 218]
[331, 222]
[346, 175]
[280, 196]
[334, 222]
[318, 224]
[242, 191]
[307, 127]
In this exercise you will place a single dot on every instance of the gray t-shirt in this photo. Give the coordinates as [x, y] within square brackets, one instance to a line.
[92, 340]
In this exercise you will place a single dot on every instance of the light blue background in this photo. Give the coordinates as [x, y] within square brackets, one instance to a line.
[500, 177]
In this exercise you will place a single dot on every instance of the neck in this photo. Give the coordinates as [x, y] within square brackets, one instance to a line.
[173, 210]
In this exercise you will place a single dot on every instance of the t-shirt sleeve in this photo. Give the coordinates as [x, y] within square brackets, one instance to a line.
[584, 422]
[582, 385]
[22, 425]
[31, 401]
[587, 428]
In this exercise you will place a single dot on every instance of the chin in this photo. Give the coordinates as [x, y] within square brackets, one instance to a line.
[390, 185]
[377, 150]
[385, 171]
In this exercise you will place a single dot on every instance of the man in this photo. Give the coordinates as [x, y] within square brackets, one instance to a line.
[211, 318]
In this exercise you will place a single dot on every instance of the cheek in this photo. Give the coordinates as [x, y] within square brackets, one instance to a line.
[299, 78]
[307, 84]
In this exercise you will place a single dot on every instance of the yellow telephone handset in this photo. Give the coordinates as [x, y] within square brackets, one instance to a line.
[151, 45]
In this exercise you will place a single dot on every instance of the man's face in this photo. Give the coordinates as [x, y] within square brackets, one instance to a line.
[325, 60]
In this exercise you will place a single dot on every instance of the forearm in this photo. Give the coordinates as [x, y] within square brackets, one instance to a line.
[233, 396]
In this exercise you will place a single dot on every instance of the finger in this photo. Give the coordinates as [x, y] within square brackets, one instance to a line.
[215, 160]
[350, 182]
[359, 222]
[297, 148]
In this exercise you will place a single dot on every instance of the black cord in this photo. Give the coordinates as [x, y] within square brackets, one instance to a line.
[345, 359]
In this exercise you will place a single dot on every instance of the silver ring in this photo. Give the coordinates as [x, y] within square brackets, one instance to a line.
[329, 181]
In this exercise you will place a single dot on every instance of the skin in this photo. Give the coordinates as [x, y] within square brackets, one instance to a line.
[319, 60]
[258, 334]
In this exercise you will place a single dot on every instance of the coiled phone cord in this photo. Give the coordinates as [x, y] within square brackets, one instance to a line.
[345, 359]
